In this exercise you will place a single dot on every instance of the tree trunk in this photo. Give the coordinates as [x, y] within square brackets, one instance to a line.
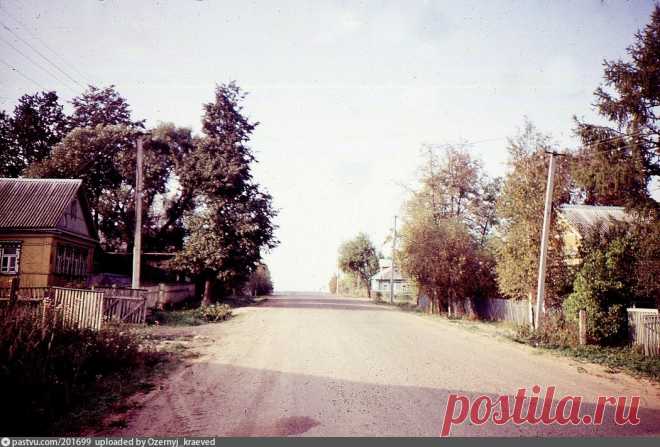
[368, 285]
[530, 308]
[208, 291]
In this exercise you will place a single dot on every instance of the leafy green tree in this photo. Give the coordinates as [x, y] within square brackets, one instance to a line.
[90, 154]
[520, 210]
[228, 203]
[605, 283]
[11, 164]
[446, 228]
[225, 241]
[104, 157]
[359, 256]
[37, 124]
[453, 185]
[615, 164]
[332, 284]
[101, 106]
[260, 282]
[445, 260]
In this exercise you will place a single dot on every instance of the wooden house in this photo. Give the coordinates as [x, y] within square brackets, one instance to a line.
[47, 235]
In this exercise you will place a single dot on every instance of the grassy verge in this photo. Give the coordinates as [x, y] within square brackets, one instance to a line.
[111, 392]
[629, 359]
[191, 316]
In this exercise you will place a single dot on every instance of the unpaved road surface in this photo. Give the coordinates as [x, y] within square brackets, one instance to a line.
[316, 365]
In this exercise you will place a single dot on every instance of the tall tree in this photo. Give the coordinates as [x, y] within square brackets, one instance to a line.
[104, 158]
[615, 164]
[90, 154]
[359, 256]
[520, 209]
[446, 225]
[37, 124]
[225, 241]
[11, 164]
[231, 206]
[101, 106]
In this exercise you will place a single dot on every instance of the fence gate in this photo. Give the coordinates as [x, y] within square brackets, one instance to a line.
[125, 305]
[78, 307]
[651, 335]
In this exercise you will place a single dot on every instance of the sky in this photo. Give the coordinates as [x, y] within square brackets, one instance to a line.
[346, 92]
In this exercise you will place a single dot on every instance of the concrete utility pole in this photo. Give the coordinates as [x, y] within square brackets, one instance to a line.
[137, 241]
[392, 266]
[540, 287]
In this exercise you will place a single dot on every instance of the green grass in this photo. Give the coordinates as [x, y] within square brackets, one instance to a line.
[191, 317]
[183, 317]
[629, 359]
[109, 393]
[624, 358]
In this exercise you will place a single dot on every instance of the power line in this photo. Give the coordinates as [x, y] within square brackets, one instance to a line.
[11, 67]
[35, 63]
[41, 54]
[36, 36]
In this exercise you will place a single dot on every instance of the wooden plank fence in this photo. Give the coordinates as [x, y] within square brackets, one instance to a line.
[124, 304]
[84, 308]
[164, 294]
[77, 307]
[25, 293]
[643, 329]
[651, 340]
[497, 309]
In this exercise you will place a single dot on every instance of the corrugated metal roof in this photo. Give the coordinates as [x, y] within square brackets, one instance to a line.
[583, 217]
[35, 203]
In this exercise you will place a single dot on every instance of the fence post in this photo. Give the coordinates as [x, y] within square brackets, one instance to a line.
[161, 296]
[530, 310]
[13, 291]
[583, 327]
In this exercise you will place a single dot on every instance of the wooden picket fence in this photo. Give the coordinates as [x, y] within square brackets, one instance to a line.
[651, 340]
[496, 309]
[643, 329]
[124, 305]
[25, 293]
[76, 307]
[84, 308]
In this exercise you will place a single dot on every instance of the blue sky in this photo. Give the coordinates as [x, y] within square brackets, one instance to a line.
[346, 92]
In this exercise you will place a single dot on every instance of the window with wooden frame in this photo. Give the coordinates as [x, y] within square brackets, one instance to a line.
[71, 260]
[10, 254]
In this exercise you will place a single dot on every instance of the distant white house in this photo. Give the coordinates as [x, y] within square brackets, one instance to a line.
[381, 282]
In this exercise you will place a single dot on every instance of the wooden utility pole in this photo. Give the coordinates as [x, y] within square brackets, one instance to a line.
[540, 287]
[582, 328]
[392, 265]
[137, 241]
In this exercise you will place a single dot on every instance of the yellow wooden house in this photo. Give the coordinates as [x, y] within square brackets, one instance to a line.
[577, 220]
[47, 235]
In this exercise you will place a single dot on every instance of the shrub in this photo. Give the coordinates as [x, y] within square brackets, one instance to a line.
[215, 312]
[603, 284]
[46, 369]
[555, 332]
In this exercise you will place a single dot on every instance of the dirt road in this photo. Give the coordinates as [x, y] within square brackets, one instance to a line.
[319, 366]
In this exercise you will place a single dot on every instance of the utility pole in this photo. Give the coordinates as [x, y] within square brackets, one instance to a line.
[392, 266]
[137, 241]
[540, 287]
